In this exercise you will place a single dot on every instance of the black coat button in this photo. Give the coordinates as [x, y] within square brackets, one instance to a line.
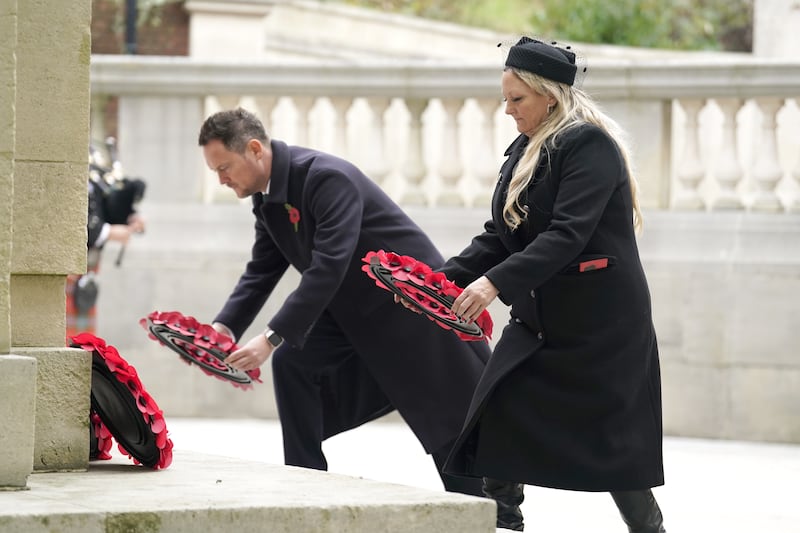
[518, 320]
[540, 335]
[533, 294]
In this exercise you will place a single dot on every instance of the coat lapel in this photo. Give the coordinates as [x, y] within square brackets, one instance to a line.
[512, 241]
[273, 208]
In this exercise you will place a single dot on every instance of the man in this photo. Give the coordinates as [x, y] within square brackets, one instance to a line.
[342, 352]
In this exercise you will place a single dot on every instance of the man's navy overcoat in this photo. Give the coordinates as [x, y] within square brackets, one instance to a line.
[402, 360]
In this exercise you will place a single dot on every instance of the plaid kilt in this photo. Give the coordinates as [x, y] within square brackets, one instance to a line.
[78, 322]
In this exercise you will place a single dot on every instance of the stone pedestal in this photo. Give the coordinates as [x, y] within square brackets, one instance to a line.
[63, 380]
[17, 411]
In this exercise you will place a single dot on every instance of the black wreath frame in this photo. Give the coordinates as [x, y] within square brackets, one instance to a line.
[384, 275]
[176, 342]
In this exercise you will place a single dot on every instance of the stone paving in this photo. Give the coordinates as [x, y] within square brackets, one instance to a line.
[711, 486]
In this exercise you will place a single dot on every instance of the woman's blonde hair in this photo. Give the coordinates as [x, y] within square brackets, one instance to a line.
[573, 107]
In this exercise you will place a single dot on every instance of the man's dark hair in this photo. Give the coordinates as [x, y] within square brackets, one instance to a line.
[233, 128]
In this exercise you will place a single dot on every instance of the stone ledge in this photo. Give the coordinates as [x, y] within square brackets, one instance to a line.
[219, 494]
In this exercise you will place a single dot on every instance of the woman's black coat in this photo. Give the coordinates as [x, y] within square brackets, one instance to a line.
[571, 397]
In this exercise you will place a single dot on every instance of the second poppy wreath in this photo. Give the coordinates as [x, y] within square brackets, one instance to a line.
[427, 291]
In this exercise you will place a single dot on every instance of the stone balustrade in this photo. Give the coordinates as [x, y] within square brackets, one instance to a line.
[711, 132]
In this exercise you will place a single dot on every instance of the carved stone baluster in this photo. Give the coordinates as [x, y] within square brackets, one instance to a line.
[690, 166]
[794, 206]
[341, 105]
[228, 101]
[486, 164]
[728, 170]
[767, 171]
[264, 105]
[376, 166]
[302, 105]
[450, 167]
[212, 192]
[414, 167]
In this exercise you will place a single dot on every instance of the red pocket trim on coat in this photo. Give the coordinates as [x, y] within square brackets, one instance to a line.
[594, 264]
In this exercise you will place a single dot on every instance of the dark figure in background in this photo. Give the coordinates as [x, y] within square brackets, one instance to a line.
[342, 352]
[571, 398]
[111, 216]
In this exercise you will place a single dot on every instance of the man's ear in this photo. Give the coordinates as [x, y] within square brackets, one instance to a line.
[255, 146]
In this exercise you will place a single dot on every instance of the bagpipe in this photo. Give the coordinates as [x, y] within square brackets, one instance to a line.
[120, 193]
[112, 199]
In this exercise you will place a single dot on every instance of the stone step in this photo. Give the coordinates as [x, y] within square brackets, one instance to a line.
[208, 494]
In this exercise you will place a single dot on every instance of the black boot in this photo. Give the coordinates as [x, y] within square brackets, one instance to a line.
[508, 497]
[640, 511]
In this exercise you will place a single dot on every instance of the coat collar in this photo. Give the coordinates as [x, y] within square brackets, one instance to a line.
[518, 144]
[279, 175]
[512, 241]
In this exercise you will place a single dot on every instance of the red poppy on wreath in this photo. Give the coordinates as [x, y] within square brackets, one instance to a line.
[122, 408]
[294, 215]
[100, 448]
[428, 292]
[200, 345]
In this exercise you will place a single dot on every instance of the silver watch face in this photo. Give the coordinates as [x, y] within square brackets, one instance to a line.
[275, 339]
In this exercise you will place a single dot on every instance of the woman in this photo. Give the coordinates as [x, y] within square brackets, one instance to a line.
[571, 398]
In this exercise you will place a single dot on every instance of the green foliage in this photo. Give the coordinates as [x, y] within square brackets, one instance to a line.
[498, 15]
[676, 24]
[673, 24]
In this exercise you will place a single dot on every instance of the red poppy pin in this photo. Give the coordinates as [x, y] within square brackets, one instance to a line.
[294, 214]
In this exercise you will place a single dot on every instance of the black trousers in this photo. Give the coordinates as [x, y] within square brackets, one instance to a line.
[302, 380]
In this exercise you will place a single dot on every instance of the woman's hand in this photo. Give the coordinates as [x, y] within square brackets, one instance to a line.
[475, 298]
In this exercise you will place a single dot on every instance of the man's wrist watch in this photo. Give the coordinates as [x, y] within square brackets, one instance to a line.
[273, 338]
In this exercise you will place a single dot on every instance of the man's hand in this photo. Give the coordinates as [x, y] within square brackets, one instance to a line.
[252, 355]
[475, 298]
[136, 223]
[405, 304]
[219, 327]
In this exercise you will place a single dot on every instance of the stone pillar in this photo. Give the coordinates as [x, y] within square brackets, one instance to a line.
[17, 409]
[8, 85]
[48, 210]
[775, 24]
[17, 374]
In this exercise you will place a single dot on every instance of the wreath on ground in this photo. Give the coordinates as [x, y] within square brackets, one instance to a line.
[122, 410]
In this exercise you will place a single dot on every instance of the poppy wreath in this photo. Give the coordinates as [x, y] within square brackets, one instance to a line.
[198, 344]
[100, 440]
[429, 292]
[122, 410]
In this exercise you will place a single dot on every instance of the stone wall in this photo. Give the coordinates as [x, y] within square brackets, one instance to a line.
[775, 24]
